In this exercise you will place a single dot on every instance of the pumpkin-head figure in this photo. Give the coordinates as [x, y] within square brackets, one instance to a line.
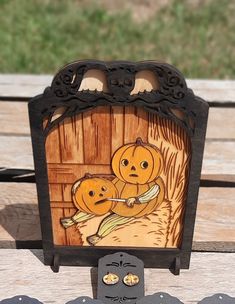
[89, 190]
[137, 163]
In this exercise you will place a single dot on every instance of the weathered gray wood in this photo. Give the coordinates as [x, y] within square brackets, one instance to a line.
[213, 90]
[214, 222]
[31, 85]
[219, 157]
[14, 120]
[215, 215]
[16, 152]
[23, 85]
[212, 246]
[221, 123]
[22, 272]
[18, 214]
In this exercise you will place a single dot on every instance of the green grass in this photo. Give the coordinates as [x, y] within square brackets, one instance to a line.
[40, 36]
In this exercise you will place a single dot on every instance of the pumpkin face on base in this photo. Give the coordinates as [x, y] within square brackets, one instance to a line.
[87, 192]
[137, 163]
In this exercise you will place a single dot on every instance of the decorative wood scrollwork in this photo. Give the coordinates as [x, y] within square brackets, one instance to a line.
[169, 95]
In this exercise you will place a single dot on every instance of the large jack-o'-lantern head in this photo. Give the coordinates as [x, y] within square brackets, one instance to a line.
[137, 163]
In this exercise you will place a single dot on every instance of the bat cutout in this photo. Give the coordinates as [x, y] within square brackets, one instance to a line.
[159, 298]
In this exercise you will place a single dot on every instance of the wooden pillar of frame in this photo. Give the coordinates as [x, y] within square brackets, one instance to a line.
[118, 152]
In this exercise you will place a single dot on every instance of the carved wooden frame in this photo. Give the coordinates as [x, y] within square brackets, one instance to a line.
[171, 94]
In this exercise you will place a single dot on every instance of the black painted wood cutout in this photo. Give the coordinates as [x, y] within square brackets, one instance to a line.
[118, 150]
[84, 300]
[21, 299]
[121, 265]
[219, 298]
[159, 298]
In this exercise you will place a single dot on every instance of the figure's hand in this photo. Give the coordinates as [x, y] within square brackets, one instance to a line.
[131, 201]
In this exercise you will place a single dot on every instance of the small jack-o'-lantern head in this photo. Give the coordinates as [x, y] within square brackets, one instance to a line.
[137, 163]
[89, 191]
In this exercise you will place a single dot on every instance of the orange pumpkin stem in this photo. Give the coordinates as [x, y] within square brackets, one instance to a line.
[139, 141]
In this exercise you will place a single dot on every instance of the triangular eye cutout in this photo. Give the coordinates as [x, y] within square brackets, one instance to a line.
[94, 80]
[145, 81]
[159, 298]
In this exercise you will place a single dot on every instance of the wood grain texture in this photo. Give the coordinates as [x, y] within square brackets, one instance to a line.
[20, 221]
[31, 85]
[71, 140]
[69, 173]
[117, 132]
[16, 152]
[52, 146]
[97, 133]
[215, 218]
[73, 237]
[55, 191]
[59, 233]
[135, 124]
[219, 157]
[209, 273]
[14, 120]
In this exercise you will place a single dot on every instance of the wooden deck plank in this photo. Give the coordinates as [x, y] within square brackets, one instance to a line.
[20, 221]
[18, 214]
[31, 85]
[215, 215]
[23, 272]
[16, 152]
[219, 157]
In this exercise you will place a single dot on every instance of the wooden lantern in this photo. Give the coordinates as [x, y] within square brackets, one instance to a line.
[118, 151]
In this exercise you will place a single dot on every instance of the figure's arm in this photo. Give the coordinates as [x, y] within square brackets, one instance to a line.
[144, 197]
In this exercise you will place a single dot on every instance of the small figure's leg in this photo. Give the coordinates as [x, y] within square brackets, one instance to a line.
[78, 217]
[108, 224]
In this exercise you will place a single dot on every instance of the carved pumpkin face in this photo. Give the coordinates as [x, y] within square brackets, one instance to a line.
[137, 163]
[87, 192]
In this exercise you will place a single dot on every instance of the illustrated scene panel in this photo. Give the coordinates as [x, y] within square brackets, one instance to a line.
[117, 177]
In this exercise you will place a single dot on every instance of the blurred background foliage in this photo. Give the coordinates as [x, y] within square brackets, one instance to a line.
[39, 36]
